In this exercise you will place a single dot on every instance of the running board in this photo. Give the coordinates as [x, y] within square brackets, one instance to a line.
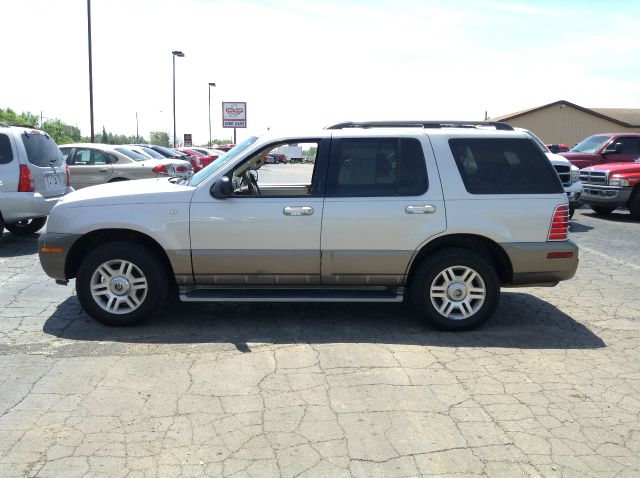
[290, 295]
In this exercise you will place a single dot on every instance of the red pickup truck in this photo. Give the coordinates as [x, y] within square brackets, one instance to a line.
[604, 148]
[610, 186]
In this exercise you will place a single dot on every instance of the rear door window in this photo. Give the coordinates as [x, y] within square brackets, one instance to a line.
[6, 153]
[377, 167]
[503, 166]
[41, 149]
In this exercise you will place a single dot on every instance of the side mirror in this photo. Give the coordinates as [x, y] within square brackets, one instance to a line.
[221, 189]
[613, 149]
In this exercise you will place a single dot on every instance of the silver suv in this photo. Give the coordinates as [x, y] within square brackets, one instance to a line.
[444, 214]
[33, 177]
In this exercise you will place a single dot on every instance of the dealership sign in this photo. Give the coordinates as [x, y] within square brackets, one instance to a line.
[234, 114]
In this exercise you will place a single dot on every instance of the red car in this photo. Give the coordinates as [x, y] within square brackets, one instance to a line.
[557, 148]
[204, 156]
[610, 186]
[604, 148]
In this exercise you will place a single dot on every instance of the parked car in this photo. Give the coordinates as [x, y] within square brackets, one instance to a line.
[557, 148]
[611, 186]
[204, 157]
[568, 173]
[93, 163]
[170, 153]
[605, 148]
[275, 158]
[225, 147]
[444, 213]
[33, 177]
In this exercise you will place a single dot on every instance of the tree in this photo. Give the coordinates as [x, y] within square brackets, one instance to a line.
[62, 133]
[23, 119]
[104, 138]
[160, 138]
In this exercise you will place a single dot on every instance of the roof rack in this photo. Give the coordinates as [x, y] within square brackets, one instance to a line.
[421, 124]
[3, 124]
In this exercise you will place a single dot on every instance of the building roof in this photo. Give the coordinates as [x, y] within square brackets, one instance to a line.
[628, 117]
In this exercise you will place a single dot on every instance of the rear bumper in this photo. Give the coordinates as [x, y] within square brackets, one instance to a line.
[532, 266]
[606, 195]
[19, 206]
[58, 246]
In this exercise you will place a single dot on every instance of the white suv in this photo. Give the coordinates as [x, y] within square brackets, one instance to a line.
[33, 177]
[444, 213]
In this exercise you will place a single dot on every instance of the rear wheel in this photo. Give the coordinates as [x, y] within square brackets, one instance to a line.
[603, 210]
[572, 210]
[121, 283]
[26, 226]
[456, 289]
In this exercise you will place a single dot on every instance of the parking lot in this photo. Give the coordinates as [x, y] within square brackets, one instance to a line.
[549, 387]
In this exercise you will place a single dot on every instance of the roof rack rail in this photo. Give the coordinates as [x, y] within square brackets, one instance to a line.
[421, 124]
[3, 124]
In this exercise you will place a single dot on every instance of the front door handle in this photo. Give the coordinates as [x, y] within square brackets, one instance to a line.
[104, 170]
[420, 209]
[298, 211]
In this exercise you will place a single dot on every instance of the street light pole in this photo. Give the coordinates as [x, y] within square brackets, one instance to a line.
[210, 85]
[180, 54]
[90, 71]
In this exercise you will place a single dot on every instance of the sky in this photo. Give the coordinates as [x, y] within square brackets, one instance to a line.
[301, 64]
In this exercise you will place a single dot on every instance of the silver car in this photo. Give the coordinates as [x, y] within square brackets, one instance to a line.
[92, 163]
[33, 177]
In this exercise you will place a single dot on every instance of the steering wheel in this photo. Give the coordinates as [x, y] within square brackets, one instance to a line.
[254, 189]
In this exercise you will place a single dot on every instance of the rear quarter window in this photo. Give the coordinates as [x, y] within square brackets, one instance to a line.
[6, 153]
[503, 166]
[41, 150]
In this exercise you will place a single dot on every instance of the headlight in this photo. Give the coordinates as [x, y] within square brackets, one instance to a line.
[575, 174]
[619, 182]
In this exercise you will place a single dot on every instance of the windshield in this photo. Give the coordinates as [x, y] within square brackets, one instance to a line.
[166, 152]
[221, 161]
[151, 152]
[41, 149]
[131, 154]
[590, 145]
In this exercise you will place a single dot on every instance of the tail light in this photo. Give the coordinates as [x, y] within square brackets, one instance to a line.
[25, 184]
[181, 168]
[559, 230]
[160, 169]
[68, 177]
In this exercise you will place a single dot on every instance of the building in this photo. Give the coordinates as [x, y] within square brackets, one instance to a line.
[567, 123]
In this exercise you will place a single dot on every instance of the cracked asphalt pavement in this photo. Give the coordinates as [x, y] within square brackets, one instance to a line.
[549, 387]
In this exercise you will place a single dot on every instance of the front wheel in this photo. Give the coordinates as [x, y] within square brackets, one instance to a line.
[121, 283]
[26, 226]
[456, 289]
[603, 210]
[634, 205]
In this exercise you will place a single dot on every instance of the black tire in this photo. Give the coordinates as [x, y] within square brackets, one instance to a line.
[429, 277]
[26, 226]
[634, 205]
[146, 266]
[603, 210]
[572, 211]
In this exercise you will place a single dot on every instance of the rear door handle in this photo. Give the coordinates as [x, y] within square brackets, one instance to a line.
[298, 211]
[420, 209]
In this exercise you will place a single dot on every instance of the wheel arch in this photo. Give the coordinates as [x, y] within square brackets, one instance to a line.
[476, 243]
[104, 236]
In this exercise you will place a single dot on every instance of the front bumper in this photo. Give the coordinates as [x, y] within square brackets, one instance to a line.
[574, 192]
[606, 195]
[19, 206]
[532, 266]
[53, 249]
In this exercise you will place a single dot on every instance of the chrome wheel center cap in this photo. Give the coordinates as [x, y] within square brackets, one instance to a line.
[119, 285]
[457, 291]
